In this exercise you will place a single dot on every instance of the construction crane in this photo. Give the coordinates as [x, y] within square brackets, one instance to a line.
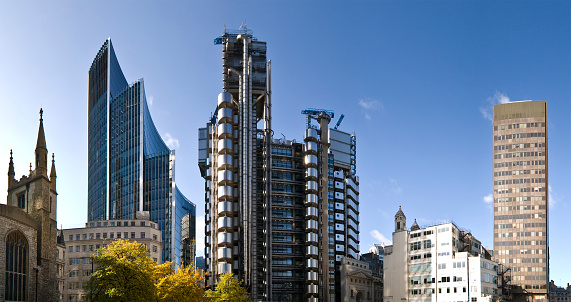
[314, 113]
[339, 121]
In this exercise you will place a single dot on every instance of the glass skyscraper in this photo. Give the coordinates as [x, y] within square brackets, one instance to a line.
[130, 168]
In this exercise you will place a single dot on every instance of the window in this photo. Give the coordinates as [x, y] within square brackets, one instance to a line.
[142, 223]
[427, 244]
[132, 223]
[77, 248]
[414, 268]
[415, 246]
[21, 201]
[118, 235]
[16, 267]
[133, 234]
[111, 235]
[77, 237]
[155, 237]
[104, 235]
[143, 235]
[71, 249]
[428, 266]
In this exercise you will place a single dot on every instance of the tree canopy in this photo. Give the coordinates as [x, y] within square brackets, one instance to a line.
[126, 273]
[228, 289]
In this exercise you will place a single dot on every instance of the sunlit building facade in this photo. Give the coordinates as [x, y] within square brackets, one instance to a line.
[130, 168]
[280, 214]
[521, 197]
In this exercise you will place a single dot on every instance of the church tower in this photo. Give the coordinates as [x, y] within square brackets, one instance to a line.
[36, 195]
[400, 221]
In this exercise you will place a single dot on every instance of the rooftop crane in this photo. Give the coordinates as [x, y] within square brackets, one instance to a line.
[314, 113]
[339, 121]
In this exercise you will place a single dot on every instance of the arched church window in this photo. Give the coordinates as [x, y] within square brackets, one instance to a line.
[16, 267]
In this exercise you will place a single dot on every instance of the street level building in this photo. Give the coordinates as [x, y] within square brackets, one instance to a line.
[437, 263]
[280, 214]
[81, 243]
[358, 283]
[130, 168]
[559, 294]
[28, 250]
[521, 219]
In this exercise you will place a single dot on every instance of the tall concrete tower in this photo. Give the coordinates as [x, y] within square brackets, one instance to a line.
[521, 197]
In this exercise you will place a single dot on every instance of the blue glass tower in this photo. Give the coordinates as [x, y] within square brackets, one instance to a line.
[130, 168]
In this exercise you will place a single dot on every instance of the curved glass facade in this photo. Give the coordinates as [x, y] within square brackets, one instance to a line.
[130, 168]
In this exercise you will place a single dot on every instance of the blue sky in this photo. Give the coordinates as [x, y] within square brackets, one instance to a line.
[415, 81]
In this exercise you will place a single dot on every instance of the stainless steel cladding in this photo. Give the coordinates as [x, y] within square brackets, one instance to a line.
[311, 250]
[311, 185]
[311, 212]
[225, 115]
[311, 199]
[312, 276]
[224, 222]
[224, 238]
[311, 238]
[311, 147]
[225, 177]
[225, 161]
[224, 253]
[311, 134]
[311, 160]
[225, 130]
[224, 100]
[311, 225]
[311, 173]
[225, 146]
[224, 192]
[312, 263]
[224, 267]
[225, 207]
[312, 289]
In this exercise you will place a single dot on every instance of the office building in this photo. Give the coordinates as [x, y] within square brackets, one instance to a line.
[437, 263]
[520, 196]
[280, 214]
[29, 248]
[81, 243]
[130, 168]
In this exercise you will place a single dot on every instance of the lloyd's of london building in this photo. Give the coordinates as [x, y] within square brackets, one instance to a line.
[280, 214]
[130, 168]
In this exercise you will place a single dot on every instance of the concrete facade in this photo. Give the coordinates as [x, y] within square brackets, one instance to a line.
[358, 282]
[521, 221]
[81, 243]
[437, 263]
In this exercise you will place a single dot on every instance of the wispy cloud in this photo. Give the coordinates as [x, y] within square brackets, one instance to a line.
[380, 237]
[395, 186]
[488, 198]
[368, 105]
[552, 198]
[171, 141]
[498, 98]
[151, 99]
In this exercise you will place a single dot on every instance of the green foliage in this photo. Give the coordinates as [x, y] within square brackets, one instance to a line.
[228, 289]
[181, 286]
[126, 273]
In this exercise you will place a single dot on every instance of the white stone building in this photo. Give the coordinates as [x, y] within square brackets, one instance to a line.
[437, 263]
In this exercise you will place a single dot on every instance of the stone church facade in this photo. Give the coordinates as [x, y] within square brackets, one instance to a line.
[28, 227]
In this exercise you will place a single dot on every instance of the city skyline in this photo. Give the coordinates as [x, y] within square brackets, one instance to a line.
[416, 82]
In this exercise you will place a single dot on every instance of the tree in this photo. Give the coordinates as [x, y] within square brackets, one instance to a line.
[228, 289]
[124, 273]
[181, 286]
